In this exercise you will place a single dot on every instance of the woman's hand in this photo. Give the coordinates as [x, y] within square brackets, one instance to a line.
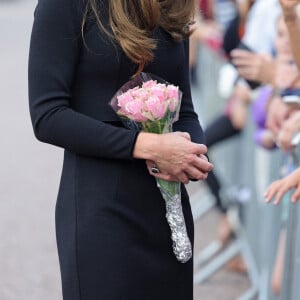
[288, 5]
[176, 157]
[253, 66]
[289, 129]
[169, 177]
[285, 75]
[278, 188]
[289, 10]
[277, 112]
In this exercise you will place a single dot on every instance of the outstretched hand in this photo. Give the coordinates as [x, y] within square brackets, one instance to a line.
[278, 188]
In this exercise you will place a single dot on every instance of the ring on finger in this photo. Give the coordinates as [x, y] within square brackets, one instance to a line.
[155, 169]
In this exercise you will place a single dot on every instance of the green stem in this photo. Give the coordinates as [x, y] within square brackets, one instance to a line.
[171, 188]
[159, 127]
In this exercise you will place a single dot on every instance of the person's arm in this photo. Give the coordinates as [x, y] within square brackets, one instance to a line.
[289, 9]
[54, 52]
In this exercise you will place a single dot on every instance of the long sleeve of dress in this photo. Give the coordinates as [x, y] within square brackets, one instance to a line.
[54, 53]
[188, 120]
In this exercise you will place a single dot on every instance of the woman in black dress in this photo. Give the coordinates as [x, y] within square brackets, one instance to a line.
[113, 238]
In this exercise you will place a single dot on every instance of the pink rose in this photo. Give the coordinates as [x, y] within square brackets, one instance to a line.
[134, 110]
[149, 84]
[173, 96]
[173, 104]
[172, 91]
[156, 108]
[123, 99]
[159, 91]
[141, 94]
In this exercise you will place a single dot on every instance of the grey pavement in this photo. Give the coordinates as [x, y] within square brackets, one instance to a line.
[29, 173]
[29, 178]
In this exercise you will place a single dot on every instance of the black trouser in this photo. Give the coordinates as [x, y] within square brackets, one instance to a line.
[219, 130]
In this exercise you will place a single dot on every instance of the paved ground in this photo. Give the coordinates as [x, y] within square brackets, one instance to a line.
[29, 176]
[224, 284]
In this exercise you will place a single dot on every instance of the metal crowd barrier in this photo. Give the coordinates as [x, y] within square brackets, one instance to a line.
[257, 225]
[290, 284]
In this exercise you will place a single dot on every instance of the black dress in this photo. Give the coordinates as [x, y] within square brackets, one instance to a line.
[113, 238]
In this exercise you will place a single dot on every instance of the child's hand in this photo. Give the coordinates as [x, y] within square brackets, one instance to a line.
[279, 187]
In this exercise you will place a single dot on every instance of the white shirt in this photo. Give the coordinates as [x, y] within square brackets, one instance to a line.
[261, 26]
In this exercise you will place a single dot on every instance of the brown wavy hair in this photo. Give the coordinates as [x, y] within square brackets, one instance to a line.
[131, 23]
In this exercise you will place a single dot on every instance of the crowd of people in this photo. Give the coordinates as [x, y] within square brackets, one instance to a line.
[260, 39]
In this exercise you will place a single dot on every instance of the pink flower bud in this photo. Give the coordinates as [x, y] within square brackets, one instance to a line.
[123, 99]
[134, 110]
[149, 84]
[173, 96]
[159, 91]
[156, 107]
[141, 94]
[172, 91]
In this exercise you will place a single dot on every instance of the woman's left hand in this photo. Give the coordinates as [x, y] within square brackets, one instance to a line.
[150, 164]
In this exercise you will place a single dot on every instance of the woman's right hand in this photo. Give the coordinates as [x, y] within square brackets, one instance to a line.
[177, 158]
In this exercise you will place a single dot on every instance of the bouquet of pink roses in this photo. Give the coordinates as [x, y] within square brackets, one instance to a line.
[151, 104]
